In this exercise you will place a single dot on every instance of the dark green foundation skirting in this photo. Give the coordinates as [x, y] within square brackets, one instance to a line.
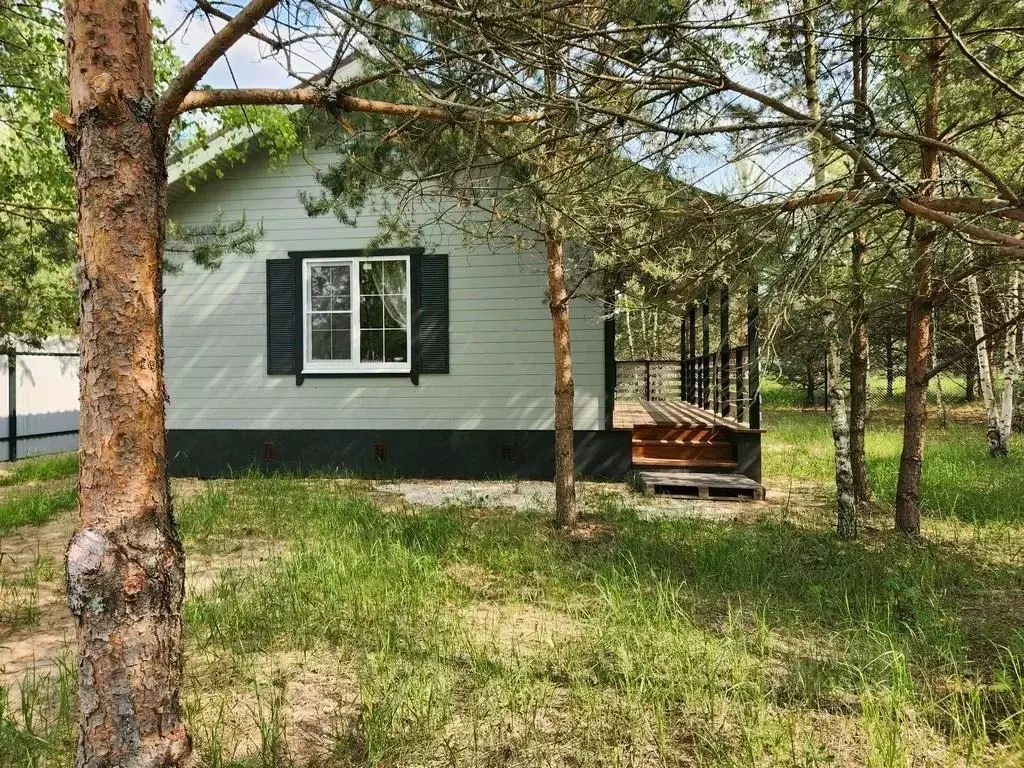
[452, 454]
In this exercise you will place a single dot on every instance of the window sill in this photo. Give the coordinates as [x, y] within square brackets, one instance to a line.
[321, 374]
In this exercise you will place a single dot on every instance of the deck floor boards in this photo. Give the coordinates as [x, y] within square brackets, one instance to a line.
[629, 414]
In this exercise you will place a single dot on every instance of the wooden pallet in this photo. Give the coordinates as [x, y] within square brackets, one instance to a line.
[702, 485]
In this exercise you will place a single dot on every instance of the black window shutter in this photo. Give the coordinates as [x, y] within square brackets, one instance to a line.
[431, 316]
[282, 315]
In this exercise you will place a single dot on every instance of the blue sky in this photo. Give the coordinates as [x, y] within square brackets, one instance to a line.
[250, 63]
[247, 58]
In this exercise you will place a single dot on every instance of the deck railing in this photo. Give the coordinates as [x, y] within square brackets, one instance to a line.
[653, 380]
[700, 381]
[725, 381]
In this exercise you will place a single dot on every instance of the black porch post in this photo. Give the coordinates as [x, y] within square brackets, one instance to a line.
[682, 359]
[12, 405]
[740, 405]
[705, 374]
[723, 306]
[753, 361]
[693, 355]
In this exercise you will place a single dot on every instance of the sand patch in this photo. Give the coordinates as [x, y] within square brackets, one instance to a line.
[516, 628]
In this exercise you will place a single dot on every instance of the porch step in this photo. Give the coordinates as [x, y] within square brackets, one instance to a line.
[718, 464]
[692, 451]
[703, 485]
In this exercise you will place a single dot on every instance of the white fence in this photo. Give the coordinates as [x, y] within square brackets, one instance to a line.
[39, 401]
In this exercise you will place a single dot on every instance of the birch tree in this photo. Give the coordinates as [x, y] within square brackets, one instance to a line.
[992, 430]
[836, 350]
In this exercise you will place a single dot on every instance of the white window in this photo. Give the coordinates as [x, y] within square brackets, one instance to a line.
[355, 315]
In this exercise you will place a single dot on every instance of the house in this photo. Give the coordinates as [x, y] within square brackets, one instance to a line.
[319, 353]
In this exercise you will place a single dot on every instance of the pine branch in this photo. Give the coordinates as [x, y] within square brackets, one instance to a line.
[240, 25]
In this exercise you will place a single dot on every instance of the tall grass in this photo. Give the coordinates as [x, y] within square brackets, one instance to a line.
[40, 469]
[474, 637]
[671, 641]
[34, 507]
[959, 479]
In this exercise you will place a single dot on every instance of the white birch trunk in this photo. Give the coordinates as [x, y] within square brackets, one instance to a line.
[1010, 365]
[839, 416]
[995, 445]
[629, 334]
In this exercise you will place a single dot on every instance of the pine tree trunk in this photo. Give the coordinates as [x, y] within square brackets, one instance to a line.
[984, 371]
[809, 384]
[915, 408]
[919, 323]
[846, 512]
[565, 472]
[125, 564]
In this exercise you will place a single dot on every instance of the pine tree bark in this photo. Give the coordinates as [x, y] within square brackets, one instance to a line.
[566, 513]
[915, 409]
[919, 322]
[125, 564]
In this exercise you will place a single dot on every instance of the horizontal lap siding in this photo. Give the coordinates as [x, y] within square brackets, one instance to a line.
[500, 331]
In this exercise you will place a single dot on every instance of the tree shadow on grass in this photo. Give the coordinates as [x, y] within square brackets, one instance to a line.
[943, 600]
[960, 480]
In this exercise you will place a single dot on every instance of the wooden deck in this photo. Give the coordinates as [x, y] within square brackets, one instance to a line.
[628, 415]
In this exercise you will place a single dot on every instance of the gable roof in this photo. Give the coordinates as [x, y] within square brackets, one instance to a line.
[201, 156]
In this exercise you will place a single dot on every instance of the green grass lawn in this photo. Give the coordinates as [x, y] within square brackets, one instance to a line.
[343, 627]
[35, 491]
[959, 479]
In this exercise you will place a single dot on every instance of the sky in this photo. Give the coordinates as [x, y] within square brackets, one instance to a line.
[248, 58]
[249, 64]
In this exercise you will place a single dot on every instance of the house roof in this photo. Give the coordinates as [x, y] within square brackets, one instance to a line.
[201, 156]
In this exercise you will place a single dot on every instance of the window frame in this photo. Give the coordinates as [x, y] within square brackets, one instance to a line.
[354, 366]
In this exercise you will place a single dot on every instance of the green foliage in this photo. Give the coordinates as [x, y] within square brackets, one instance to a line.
[469, 634]
[684, 638]
[37, 224]
[36, 195]
[959, 480]
[207, 245]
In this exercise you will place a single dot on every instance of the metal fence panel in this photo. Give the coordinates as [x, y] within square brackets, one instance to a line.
[39, 401]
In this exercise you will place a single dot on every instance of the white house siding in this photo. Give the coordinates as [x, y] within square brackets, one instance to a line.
[46, 399]
[501, 369]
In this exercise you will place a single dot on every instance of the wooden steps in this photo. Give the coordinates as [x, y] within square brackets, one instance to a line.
[696, 446]
[654, 449]
[695, 464]
[695, 457]
[701, 485]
